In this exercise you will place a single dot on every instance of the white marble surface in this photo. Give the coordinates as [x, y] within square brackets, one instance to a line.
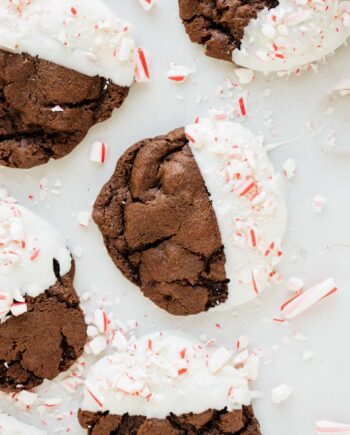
[320, 242]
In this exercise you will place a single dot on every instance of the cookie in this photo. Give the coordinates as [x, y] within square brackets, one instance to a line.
[180, 224]
[11, 426]
[42, 330]
[169, 383]
[209, 422]
[266, 35]
[62, 70]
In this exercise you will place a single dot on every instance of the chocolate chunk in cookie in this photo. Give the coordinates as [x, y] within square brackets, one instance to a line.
[46, 110]
[159, 226]
[44, 341]
[219, 24]
[210, 422]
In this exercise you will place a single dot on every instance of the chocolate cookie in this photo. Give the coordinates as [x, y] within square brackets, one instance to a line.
[159, 226]
[219, 24]
[46, 109]
[210, 422]
[44, 341]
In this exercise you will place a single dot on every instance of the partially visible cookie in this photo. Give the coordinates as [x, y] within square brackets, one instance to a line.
[209, 422]
[43, 330]
[160, 228]
[266, 35]
[32, 131]
[62, 70]
[220, 25]
[170, 384]
[195, 218]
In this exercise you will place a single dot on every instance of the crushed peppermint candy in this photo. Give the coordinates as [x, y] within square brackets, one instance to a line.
[147, 4]
[178, 73]
[98, 345]
[83, 218]
[325, 427]
[318, 203]
[28, 247]
[307, 298]
[87, 37]
[295, 284]
[244, 75]
[164, 372]
[289, 168]
[142, 71]
[18, 308]
[293, 34]
[57, 109]
[281, 393]
[98, 152]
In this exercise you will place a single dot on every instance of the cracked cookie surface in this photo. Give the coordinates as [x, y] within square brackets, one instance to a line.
[210, 422]
[159, 226]
[219, 24]
[31, 133]
[44, 341]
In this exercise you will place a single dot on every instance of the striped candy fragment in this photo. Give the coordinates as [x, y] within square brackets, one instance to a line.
[18, 308]
[142, 72]
[178, 73]
[324, 427]
[147, 4]
[98, 152]
[305, 299]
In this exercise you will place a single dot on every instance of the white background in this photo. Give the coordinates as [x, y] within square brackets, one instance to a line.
[316, 246]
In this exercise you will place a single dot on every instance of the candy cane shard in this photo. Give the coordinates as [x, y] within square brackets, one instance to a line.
[305, 299]
[142, 72]
[289, 168]
[178, 73]
[147, 4]
[98, 152]
[318, 203]
[94, 394]
[323, 427]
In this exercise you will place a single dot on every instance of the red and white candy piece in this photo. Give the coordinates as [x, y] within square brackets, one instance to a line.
[305, 299]
[98, 152]
[242, 342]
[101, 320]
[178, 73]
[242, 105]
[125, 50]
[281, 393]
[218, 359]
[18, 308]
[244, 75]
[295, 284]
[142, 71]
[319, 203]
[98, 345]
[94, 394]
[289, 168]
[324, 427]
[147, 4]
[83, 218]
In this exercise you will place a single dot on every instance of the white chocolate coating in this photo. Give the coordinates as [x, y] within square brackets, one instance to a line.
[248, 200]
[11, 426]
[169, 372]
[295, 33]
[83, 35]
[28, 246]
